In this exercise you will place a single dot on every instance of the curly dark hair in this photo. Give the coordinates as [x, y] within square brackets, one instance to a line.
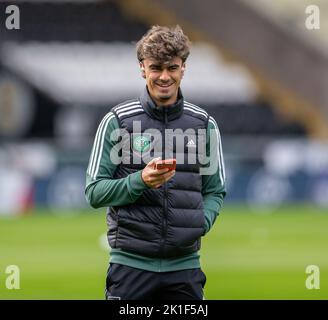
[163, 44]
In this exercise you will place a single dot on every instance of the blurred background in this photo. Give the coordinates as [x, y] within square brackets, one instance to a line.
[255, 65]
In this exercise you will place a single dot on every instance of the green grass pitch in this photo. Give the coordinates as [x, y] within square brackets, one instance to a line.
[246, 255]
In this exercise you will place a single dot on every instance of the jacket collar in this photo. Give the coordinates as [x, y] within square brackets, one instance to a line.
[173, 111]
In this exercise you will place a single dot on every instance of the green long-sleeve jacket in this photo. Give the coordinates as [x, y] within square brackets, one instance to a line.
[104, 191]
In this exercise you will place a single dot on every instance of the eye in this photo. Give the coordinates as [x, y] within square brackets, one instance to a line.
[155, 68]
[173, 68]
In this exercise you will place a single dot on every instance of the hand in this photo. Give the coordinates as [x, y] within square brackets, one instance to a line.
[154, 178]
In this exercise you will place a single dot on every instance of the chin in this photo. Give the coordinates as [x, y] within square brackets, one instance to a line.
[164, 98]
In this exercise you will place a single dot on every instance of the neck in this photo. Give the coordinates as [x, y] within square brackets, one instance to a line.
[165, 102]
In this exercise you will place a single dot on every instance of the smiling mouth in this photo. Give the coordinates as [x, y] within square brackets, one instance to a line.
[164, 85]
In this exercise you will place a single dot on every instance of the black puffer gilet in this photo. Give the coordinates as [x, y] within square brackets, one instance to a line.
[168, 221]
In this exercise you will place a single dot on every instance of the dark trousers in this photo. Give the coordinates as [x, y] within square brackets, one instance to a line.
[127, 283]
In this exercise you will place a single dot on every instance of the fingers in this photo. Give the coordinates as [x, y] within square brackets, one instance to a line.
[153, 177]
[155, 171]
[161, 179]
[159, 172]
[152, 162]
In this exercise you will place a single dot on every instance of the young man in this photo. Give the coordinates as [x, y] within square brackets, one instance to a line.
[155, 216]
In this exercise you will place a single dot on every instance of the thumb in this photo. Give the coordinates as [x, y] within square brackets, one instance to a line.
[153, 161]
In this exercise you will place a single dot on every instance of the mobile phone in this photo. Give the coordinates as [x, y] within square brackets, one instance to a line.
[167, 163]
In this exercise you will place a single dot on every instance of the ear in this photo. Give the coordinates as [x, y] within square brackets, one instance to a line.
[142, 69]
[183, 68]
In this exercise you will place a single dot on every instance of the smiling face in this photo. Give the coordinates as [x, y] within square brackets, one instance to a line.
[163, 80]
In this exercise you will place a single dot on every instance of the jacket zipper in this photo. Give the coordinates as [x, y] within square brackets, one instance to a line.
[164, 221]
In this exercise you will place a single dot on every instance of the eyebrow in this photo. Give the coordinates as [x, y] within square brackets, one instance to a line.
[160, 65]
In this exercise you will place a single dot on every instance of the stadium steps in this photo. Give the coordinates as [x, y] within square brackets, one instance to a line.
[71, 21]
[290, 73]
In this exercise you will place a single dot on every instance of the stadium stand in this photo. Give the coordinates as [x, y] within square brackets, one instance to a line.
[76, 60]
[55, 54]
[290, 70]
[78, 21]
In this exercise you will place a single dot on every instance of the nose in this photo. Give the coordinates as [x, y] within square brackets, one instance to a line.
[164, 76]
